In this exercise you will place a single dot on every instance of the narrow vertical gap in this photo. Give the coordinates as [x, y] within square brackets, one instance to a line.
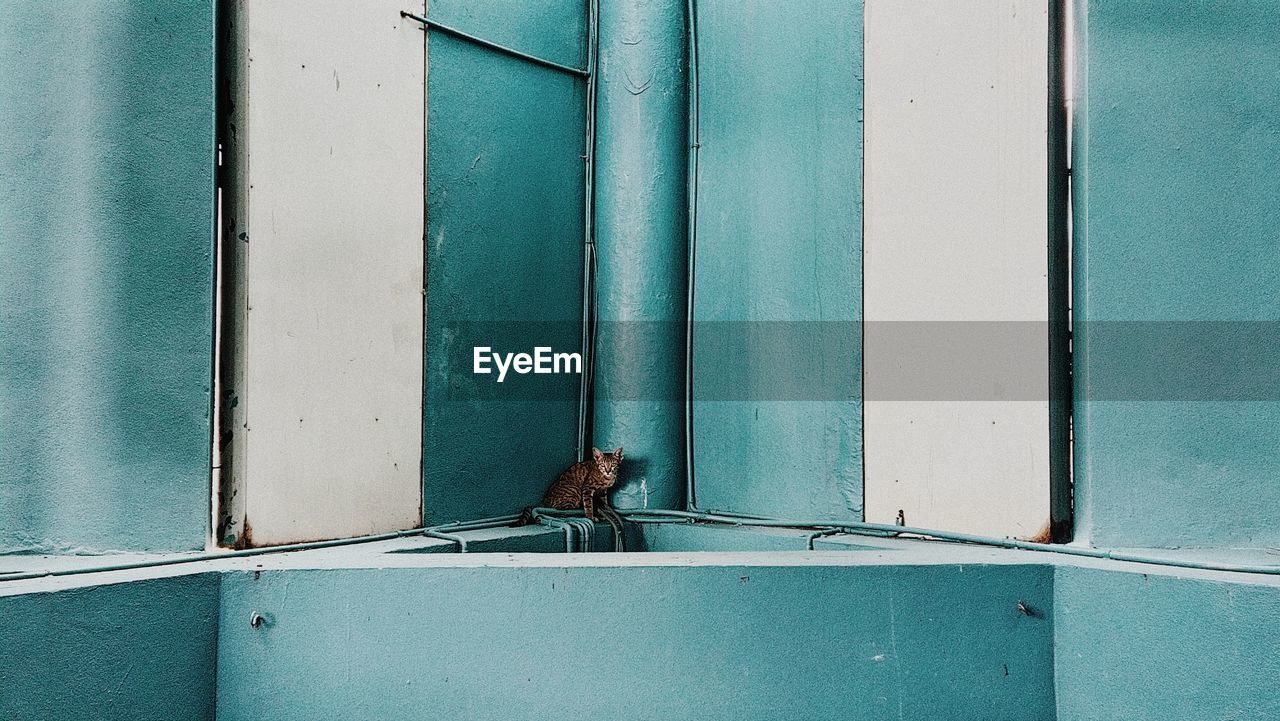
[426, 145]
[1069, 99]
[862, 274]
[1060, 324]
[215, 459]
[586, 393]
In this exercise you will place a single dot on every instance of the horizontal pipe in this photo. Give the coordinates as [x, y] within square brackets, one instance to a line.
[562, 519]
[456, 526]
[432, 24]
[243, 553]
[477, 525]
[882, 529]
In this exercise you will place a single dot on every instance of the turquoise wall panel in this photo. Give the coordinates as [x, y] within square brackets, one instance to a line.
[778, 282]
[1177, 266]
[128, 651]
[505, 238]
[716, 642]
[106, 274]
[1152, 647]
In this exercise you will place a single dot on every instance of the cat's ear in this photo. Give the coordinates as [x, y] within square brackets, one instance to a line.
[618, 453]
[597, 454]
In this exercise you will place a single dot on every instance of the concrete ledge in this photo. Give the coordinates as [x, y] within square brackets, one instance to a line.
[413, 628]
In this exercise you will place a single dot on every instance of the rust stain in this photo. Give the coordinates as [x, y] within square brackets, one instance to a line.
[245, 539]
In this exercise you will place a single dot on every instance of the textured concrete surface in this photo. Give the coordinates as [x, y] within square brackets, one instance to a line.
[777, 418]
[106, 275]
[504, 253]
[140, 649]
[1177, 262]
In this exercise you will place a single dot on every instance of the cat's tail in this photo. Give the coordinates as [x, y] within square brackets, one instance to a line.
[526, 517]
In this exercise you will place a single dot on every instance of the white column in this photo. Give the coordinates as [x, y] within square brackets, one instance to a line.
[957, 243]
[326, 307]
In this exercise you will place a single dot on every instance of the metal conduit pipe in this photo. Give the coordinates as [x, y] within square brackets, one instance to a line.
[462, 542]
[691, 220]
[589, 232]
[588, 530]
[551, 517]
[456, 527]
[561, 524]
[577, 528]
[883, 529]
[820, 534]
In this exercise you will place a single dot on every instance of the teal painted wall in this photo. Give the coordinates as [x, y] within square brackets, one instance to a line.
[129, 651]
[640, 237]
[778, 271]
[924, 638]
[505, 197]
[713, 642]
[1152, 647]
[106, 274]
[1177, 205]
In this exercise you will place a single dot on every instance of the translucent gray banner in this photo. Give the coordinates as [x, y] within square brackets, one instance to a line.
[873, 361]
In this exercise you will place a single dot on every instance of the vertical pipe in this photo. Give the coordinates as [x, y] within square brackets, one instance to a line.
[691, 224]
[641, 245]
[589, 235]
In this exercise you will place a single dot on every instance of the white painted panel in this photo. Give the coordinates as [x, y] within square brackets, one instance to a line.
[956, 231]
[328, 182]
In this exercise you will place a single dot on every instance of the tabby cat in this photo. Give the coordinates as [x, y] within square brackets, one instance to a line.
[586, 485]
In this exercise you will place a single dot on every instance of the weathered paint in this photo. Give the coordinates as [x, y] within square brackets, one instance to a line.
[128, 651]
[777, 284]
[1152, 647]
[640, 241]
[962, 155]
[106, 275]
[323, 143]
[718, 641]
[505, 234]
[1176, 207]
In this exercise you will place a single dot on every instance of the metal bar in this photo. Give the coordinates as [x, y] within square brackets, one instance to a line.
[447, 30]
